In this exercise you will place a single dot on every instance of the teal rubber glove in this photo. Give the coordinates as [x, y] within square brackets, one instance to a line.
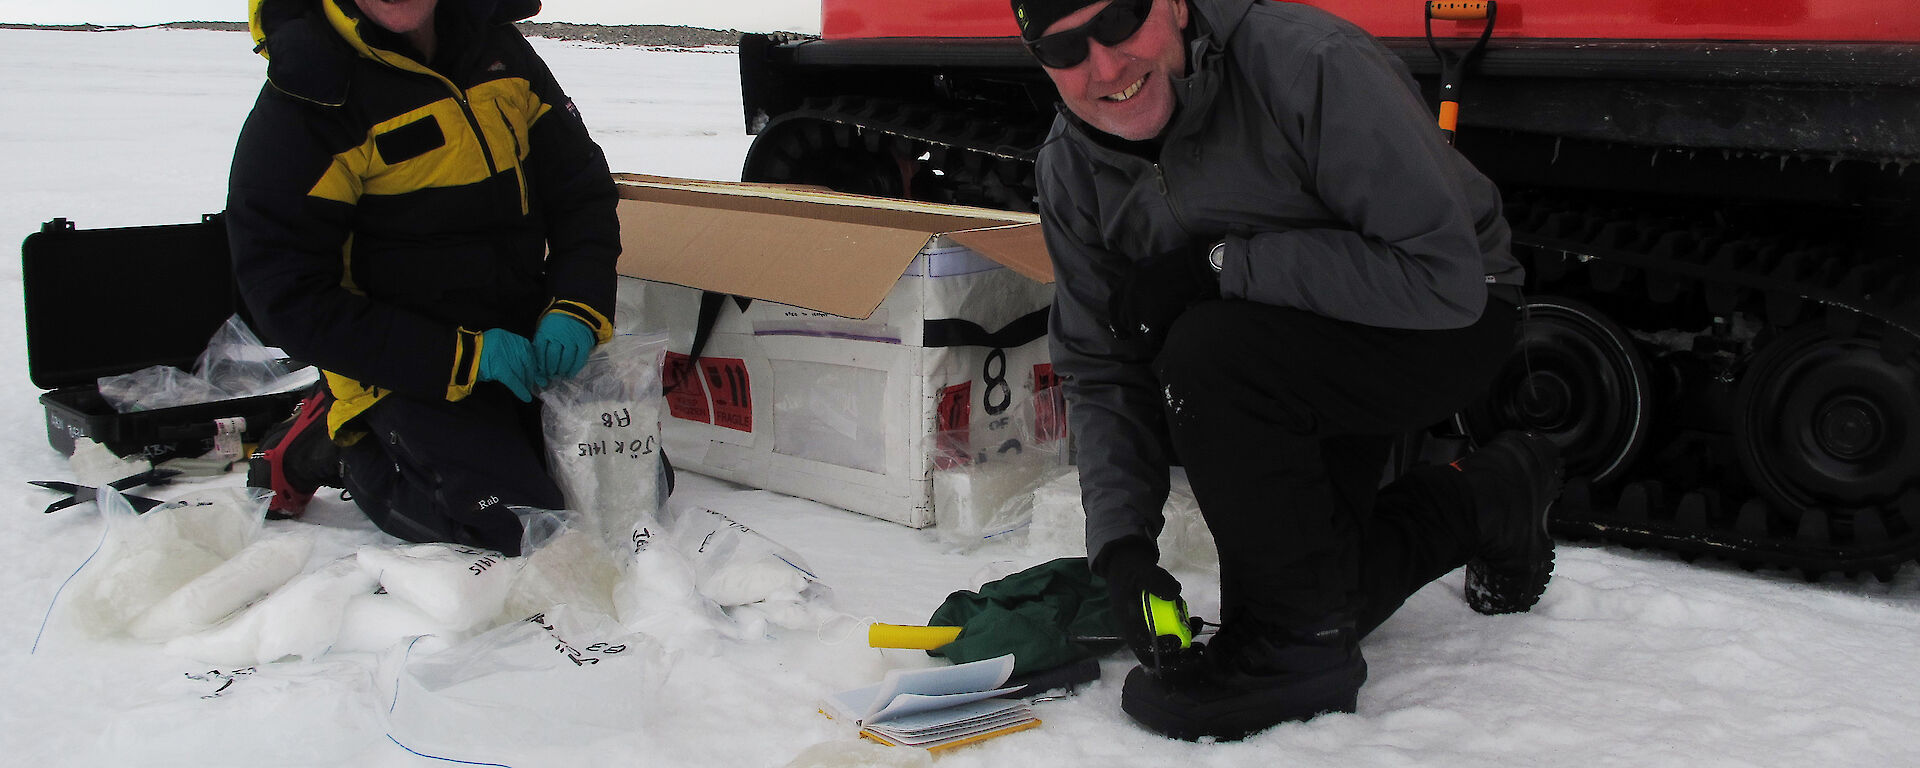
[507, 357]
[561, 345]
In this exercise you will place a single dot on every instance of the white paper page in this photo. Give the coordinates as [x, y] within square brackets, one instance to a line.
[854, 704]
[865, 704]
[913, 703]
[1008, 721]
[977, 716]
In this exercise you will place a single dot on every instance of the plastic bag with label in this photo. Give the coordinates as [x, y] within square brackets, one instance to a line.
[461, 589]
[603, 437]
[563, 677]
[658, 595]
[758, 581]
[563, 562]
[985, 478]
[284, 715]
[698, 573]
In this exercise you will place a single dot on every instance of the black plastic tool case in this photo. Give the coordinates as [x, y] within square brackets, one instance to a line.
[104, 302]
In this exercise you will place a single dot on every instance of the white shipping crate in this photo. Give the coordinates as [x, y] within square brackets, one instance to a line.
[834, 383]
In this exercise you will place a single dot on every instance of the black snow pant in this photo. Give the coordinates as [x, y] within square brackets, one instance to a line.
[433, 470]
[1285, 420]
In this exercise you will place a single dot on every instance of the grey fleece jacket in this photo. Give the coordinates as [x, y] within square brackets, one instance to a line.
[1303, 144]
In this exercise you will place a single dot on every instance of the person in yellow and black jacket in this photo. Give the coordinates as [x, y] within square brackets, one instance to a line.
[416, 208]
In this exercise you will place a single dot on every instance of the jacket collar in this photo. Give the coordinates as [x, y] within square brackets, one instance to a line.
[1219, 18]
[310, 45]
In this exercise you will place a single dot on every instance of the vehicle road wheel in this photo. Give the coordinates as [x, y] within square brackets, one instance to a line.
[1576, 377]
[1823, 422]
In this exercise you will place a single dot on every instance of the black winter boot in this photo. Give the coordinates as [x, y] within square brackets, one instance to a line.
[1250, 678]
[297, 457]
[1515, 478]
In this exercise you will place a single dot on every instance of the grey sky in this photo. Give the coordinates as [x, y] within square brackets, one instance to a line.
[747, 15]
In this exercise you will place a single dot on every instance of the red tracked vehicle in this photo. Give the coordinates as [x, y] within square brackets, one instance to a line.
[1713, 201]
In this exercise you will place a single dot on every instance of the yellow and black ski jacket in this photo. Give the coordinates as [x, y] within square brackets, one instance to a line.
[384, 210]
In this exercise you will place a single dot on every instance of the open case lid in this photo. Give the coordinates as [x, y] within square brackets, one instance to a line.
[807, 247]
[104, 302]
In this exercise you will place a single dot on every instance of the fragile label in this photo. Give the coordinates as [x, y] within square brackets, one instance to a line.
[714, 391]
[732, 392]
[952, 424]
[1049, 405]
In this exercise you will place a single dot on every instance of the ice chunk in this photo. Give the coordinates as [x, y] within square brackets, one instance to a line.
[461, 588]
[227, 587]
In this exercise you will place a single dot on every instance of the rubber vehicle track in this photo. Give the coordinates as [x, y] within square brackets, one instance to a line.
[1823, 403]
[899, 149]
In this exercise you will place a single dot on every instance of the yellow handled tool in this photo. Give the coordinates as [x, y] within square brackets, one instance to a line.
[904, 636]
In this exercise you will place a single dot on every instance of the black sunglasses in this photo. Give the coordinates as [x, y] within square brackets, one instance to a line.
[1111, 26]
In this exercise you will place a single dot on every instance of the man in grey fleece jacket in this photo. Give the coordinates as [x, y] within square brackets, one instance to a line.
[1269, 264]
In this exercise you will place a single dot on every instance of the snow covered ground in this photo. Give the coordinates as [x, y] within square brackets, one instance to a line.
[1632, 659]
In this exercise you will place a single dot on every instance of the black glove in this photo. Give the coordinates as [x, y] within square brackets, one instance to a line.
[1155, 293]
[1132, 566]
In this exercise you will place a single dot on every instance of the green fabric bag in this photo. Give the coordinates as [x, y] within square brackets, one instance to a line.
[1049, 615]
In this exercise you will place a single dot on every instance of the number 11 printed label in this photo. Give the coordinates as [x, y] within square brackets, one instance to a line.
[732, 393]
[720, 393]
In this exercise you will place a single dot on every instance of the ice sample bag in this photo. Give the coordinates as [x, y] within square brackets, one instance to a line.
[181, 567]
[565, 677]
[603, 435]
[985, 475]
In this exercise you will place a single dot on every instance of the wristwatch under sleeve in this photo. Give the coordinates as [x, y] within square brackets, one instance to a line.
[1217, 257]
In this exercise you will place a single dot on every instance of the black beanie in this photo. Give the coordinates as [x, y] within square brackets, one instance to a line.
[1034, 16]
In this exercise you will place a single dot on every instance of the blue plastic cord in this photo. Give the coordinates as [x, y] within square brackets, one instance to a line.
[396, 702]
[796, 567]
[396, 742]
[1007, 531]
[63, 587]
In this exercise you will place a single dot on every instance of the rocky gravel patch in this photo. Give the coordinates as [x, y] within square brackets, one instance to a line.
[639, 34]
